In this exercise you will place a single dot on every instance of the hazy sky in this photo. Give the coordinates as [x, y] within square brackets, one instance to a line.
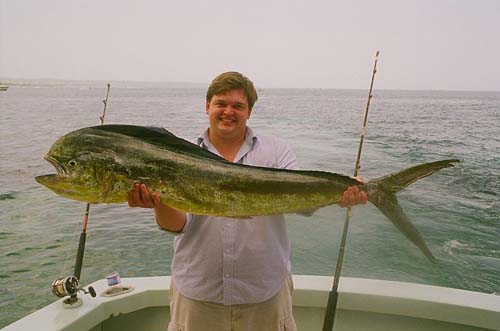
[426, 44]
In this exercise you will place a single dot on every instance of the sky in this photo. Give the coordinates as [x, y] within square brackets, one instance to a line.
[424, 45]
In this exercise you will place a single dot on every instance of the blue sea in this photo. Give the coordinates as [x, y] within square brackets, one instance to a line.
[457, 210]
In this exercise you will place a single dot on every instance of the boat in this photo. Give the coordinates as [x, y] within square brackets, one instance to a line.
[364, 304]
[3, 88]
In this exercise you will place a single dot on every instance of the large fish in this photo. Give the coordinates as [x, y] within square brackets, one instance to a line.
[100, 165]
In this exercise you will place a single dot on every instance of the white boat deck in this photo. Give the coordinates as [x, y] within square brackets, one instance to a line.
[363, 305]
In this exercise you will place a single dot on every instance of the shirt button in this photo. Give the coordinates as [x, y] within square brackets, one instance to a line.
[227, 250]
[227, 275]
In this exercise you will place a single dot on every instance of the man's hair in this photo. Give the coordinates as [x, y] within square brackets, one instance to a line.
[229, 81]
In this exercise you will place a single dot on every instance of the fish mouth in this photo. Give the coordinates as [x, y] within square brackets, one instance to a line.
[66, 187]
[61, 171]
[53, 180]
[48, 180]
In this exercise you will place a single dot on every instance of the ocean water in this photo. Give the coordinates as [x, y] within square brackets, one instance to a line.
[457, 210]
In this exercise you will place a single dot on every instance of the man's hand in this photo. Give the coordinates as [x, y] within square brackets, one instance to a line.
[353, 196]
[167, 217]
[140, 197]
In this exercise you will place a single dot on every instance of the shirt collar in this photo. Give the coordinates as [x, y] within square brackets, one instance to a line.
[249, 143]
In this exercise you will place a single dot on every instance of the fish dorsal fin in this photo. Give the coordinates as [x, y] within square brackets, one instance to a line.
[159, 137]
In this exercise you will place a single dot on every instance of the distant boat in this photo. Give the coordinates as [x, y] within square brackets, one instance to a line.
[3, 88]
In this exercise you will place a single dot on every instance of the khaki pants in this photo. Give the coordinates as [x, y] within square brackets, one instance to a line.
[274, 314]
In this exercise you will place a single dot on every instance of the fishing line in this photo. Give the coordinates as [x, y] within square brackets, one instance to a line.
[333, 296]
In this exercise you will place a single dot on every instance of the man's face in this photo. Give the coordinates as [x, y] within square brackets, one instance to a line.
[228, 114]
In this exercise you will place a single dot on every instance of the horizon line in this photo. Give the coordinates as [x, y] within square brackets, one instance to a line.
[12, 81]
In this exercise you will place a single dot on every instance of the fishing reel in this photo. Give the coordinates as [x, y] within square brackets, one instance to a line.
[70, 286]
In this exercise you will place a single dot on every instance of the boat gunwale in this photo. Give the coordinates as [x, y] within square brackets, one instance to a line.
[456, 306]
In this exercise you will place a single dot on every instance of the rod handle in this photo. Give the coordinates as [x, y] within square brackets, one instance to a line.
[79, 255]
[330, 314]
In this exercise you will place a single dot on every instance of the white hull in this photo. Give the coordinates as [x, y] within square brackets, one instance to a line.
[363, 305]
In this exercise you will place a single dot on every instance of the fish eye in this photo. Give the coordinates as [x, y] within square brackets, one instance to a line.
[72, 163]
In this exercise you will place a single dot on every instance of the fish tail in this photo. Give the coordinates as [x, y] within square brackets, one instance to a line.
[381, 192]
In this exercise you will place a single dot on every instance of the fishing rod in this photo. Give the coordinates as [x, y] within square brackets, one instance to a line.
[70, 285]
[333, 296]
[83, 235]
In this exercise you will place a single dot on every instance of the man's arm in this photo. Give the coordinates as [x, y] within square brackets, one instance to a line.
[167, 217]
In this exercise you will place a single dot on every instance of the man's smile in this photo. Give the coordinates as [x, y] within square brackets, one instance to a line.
[227, 120]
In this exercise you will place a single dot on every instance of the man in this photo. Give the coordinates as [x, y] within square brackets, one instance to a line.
[230, 274]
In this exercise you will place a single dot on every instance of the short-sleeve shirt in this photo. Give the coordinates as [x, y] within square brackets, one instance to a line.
[236, 261]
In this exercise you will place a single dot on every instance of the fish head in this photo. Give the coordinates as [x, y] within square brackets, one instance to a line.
[84, 165]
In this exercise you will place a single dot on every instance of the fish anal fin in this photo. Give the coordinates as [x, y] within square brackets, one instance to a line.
[242, 217]
[307, 213]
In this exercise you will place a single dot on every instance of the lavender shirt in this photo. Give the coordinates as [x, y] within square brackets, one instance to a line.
[233, 261]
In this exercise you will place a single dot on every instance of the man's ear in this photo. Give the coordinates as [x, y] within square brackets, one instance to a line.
[207, 106]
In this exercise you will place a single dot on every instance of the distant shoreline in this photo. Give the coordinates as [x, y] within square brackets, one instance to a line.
[52, 82]
[96, 83]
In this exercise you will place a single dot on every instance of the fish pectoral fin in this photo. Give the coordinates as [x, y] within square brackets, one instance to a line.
[120, 170]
